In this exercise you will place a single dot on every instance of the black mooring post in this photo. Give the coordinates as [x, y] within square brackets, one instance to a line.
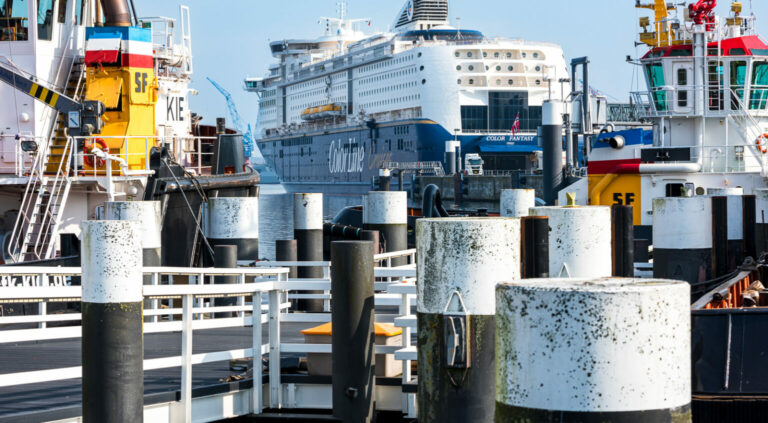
[719, 236]
[374, 237]
[112, 334]
[352, 336]
[749, 223]
[225, 257]
[308, 232]
[535, 247]
[285, 250]
[623, 240]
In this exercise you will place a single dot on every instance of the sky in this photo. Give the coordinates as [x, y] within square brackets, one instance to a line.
[230, 38]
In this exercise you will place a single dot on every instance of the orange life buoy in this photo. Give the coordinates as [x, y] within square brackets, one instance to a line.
[762, 143]
[89, 158]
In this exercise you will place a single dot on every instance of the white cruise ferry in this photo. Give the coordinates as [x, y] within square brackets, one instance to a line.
[337, 109]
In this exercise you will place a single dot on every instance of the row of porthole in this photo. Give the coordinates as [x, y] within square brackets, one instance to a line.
[497, 55]
[498, 82]
[498, 68]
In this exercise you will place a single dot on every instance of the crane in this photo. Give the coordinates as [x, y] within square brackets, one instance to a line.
[83, 118]
[237, 121]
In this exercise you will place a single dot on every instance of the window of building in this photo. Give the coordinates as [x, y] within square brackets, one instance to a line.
[44, 19]
[14, 20]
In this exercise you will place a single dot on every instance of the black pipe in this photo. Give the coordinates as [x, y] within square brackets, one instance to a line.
[225, 257]
[720, 265]
[400, 181]
[749, 222]
[552, 151]
[623, 236]
[116, 13]
[352, 336]
[535, 247]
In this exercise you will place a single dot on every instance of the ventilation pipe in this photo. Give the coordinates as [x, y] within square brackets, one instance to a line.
[116, 13]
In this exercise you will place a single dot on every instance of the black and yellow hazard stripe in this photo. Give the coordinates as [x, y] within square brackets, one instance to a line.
[44, 94]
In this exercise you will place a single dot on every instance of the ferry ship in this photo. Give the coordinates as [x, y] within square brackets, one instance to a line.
[60, 61]
[335, 110]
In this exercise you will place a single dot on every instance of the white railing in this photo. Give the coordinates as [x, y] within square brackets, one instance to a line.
[267, 286]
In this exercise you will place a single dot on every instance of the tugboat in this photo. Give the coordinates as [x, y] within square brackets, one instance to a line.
[707, 99]
[95, 108]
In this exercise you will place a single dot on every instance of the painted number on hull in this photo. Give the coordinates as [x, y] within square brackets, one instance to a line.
[141, 82]
[624, 199]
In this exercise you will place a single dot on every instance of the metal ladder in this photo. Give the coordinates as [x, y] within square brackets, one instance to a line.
[45, 196]
[750, 129]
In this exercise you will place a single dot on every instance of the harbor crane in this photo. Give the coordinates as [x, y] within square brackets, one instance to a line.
[237, 121]
[83, 118]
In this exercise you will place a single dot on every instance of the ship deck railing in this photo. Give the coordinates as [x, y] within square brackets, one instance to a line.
[180, 302]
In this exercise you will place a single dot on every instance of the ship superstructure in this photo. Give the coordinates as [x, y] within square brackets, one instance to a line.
[139, 69]
[707, 98]
[336, 109]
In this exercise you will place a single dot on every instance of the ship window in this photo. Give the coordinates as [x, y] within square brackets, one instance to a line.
[738, 52]
[538, 68]
[759, 52]
[511, 82]
[474, 118]
[538, 82]
[498, 82]
[469, 54]
[471, 67]
[498, 68]
[471, 81]
[423, 81]
[758, 99]
[676, 190]
[458, 54]
[510, 68]
[682, 81]
[715, 76]
[485, 54]
[496, 55]
[681, 52]
[63, 10]
[458, 68]
[421, 68]
[14, 22]
[509, 55]
[458, 81]
[524, 55]
[655, 73]
[738, 79]
[713, 52]
[44, 19]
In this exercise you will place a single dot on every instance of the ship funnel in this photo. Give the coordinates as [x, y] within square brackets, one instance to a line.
[116, 13]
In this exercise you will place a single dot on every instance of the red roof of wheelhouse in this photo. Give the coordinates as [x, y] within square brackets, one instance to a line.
[750, 45]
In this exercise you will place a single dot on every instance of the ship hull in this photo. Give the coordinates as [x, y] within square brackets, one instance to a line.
[347, 160]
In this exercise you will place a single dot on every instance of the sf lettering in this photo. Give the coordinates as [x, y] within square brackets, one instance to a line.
[624, 199]
[141, 82]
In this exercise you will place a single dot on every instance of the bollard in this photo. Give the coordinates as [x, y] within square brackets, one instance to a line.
[579, 241]
[552, 149]
[535, 247]
[372, 236]
[682, 238]
[460, 262]
[308, 232]
[112, 337]
[735, 224]
[225, 258]
[352, 331]
[234, 221]
[517, 202]
[749, 223]
[623, 241]
[387, 212]
[149, 213]
[593, 350]
[69, 245]
[285, 250]
[720, 226]
[385, 179]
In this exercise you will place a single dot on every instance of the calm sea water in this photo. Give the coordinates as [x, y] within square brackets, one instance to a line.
[276, 215]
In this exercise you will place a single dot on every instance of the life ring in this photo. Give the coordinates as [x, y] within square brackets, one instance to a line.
[89, 158]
